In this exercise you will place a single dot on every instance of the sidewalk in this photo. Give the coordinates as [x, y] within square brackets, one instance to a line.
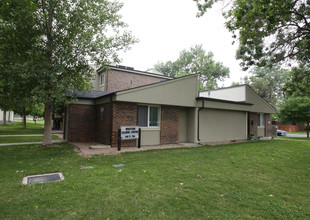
[20, 135]
[11, 144]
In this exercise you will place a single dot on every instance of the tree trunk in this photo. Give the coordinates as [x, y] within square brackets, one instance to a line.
[307, 129]
[24, 118]
[4, 117]
[47, 140]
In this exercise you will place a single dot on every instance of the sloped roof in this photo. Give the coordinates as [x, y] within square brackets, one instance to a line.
[91, 94]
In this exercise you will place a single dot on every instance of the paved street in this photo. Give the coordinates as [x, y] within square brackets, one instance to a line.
[296, 135]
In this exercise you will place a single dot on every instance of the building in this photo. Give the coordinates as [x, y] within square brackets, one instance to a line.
[9, 116]
[168, 110]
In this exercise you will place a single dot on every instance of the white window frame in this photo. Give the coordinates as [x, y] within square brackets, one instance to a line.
[148, 116]
[261, 119]
[102, 79]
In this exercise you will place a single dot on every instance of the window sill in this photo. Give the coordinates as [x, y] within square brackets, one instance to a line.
[150, 128]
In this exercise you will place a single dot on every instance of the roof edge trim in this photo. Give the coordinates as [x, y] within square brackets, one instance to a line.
[101, 69]
[223, 100]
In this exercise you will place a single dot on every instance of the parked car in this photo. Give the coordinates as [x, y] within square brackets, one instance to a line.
[281, 133]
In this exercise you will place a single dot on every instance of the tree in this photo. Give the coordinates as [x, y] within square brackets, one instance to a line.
[296, 109]
[268, 31]
[268, 83]
[63, 37]
[195, 61]
[4, 102]
[298, 82]
[37, 111]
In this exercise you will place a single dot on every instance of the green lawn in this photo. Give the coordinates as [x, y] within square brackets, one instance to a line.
[255, 180]
[294, 138]
[15, 129]
[20, 139]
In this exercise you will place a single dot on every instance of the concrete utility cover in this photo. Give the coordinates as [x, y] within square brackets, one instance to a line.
[100, 146]
[43, 178]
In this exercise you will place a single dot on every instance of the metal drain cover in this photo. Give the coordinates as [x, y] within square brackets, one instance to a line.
[43, 178]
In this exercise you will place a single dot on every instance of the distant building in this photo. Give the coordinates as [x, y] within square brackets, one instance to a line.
[9, 116]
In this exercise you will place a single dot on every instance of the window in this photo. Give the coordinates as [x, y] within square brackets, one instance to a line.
[101, 113]
[261, 120]
[102, 79]
[142, 115]
[148, 116]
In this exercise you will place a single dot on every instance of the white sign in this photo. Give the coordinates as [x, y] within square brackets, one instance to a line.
[129, 132]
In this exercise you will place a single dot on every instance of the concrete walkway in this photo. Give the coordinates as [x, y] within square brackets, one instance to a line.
[91, 148]
[21, 135]
[11, 144]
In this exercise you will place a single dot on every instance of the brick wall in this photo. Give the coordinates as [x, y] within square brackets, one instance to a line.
[253, 122]
[85, 124]
[169, 125]
[126, 114]
[119, 80]
[253, 128]
[123, 114]
[268, 125]
[81, 125]
[103, 124]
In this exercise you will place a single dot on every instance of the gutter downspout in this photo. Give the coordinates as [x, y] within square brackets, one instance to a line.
[203, 106]
[111, 119]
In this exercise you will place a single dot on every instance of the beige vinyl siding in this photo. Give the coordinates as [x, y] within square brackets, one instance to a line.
[259, 105]
[183, 125]
[150, 136]
[179, 92]
[222, 125]
[260, 131]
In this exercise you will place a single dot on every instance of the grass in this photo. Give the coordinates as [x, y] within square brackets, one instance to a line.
[15, 129]
[21, 139]
[294, 138]
[255, 180]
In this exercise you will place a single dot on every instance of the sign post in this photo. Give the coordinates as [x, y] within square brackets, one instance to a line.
[119, 140]
[129, 133]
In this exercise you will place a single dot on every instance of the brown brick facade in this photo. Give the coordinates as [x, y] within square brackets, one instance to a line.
[103, 123]
[81, 124]
[268, 125]
[123, 114]
[169, 125]
[119, 80]
[89, 123]
[253, 122]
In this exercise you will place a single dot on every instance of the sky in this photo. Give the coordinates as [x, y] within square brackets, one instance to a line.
[166, 27]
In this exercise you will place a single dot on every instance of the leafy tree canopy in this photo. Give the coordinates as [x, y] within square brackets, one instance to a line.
[298, 83]
[268, 83]
[195, 61]
[52, 42]
[268, 31]
[296, 109]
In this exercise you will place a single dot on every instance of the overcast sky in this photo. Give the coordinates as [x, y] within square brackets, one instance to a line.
[165, 27]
